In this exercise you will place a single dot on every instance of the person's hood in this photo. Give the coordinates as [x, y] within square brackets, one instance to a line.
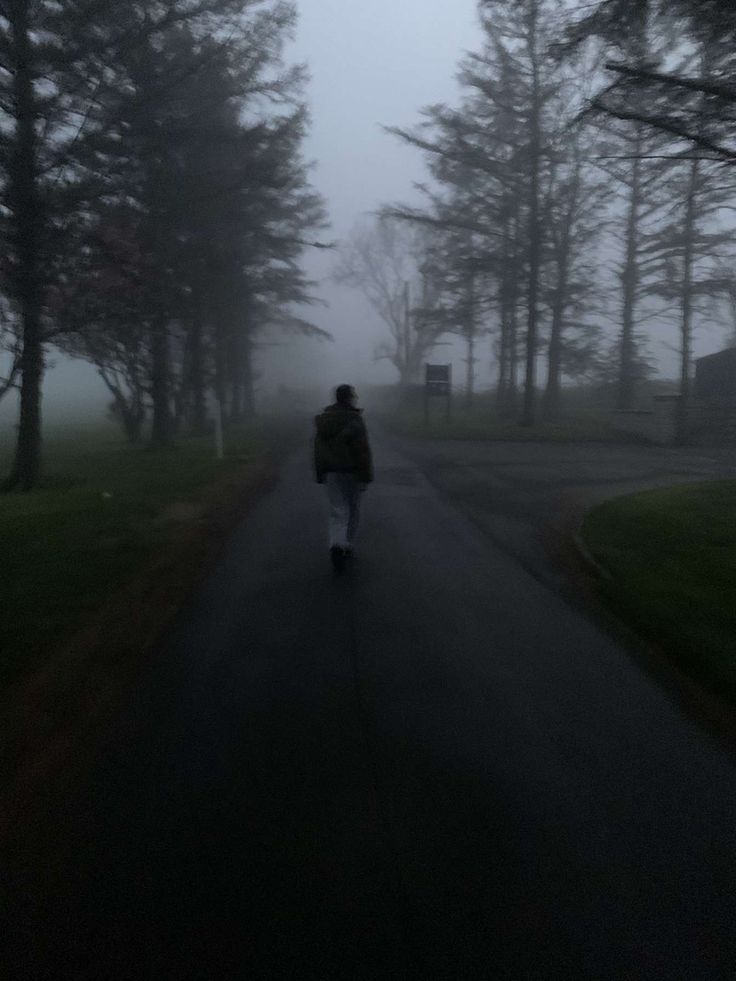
[334, 419]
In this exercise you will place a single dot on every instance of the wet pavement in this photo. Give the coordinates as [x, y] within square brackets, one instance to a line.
[431, 768]
[528, 496]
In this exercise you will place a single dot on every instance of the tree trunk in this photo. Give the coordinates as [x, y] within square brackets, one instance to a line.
[512, 398]
[249, 394]
[407, 353]
[503, 350]
[470, 374]
[553, 391]
[470, 339]
[503, 362]
[627, 355]
[510, 333]
[131, 411]
[180, 400]
[236, 378]
[221, 357]
[26, 221]
[132, 423]
[161, 429]
[564, 246]
[535, 252]
[198, 403]
[504, 347]
[686, 329]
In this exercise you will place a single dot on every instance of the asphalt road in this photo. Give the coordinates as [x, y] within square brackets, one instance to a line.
[431, 768]
[526, 497]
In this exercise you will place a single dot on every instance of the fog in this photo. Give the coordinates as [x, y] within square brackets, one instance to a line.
[371, 66]
[367, 498]
[363, 77]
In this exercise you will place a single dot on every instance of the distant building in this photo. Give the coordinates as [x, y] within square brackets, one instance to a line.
[715, 394]
[715, 378]
[711, 412]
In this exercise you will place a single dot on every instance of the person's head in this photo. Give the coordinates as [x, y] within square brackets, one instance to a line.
[346, 395]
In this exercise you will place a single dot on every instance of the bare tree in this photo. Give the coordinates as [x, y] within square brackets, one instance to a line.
[384, 259]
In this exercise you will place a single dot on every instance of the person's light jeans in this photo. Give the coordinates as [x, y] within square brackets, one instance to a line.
[344, 492]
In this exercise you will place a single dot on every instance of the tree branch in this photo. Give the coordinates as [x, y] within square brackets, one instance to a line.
[666, 126]
[699, 85]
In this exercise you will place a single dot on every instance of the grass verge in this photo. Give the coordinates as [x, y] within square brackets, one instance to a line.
[671, 555]
[96, 564]
[104, 512]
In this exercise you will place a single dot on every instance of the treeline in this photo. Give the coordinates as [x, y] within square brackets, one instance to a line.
[155, 203]
[581, 191]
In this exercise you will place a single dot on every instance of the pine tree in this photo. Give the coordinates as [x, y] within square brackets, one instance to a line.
[636, 158]
[523, 34]
[691, 102]
[683, 250]
[575, 220]
[517, 180]
[216, 210]
[37, 111]
[58, 69]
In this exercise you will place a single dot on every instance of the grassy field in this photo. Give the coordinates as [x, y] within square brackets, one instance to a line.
[672, 558]
[103, 512]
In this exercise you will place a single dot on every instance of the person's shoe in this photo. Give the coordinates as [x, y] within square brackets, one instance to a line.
[337, 555]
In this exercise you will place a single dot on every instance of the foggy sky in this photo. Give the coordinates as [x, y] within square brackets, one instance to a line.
[375, 64]
[372, 65]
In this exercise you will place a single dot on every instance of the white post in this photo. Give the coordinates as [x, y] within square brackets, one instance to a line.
[219, 442]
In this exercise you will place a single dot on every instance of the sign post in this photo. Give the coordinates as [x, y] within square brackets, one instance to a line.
[438, 384]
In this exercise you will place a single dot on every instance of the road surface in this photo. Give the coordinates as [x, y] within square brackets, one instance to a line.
[431, 768]
[526, 496]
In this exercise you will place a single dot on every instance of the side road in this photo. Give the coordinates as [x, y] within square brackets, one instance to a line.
[527, 497]
[530, 500]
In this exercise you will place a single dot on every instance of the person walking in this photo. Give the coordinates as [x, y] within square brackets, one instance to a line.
[343, 461]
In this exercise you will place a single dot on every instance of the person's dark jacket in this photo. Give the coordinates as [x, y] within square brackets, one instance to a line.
[341, 444]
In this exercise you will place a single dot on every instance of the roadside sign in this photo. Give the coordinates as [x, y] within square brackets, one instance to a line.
[438, 384]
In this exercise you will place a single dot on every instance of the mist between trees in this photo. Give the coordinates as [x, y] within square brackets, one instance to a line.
[155, 203]
[581, 191]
